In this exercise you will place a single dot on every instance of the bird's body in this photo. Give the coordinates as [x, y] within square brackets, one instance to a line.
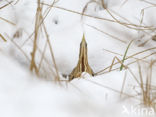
[83, 65]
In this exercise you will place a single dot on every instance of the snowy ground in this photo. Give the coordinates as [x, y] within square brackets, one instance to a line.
[22, 94]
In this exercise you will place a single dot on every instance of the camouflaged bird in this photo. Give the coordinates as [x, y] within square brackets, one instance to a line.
[82, 65]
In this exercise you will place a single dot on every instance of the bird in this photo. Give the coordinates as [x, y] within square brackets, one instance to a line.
[82, 65]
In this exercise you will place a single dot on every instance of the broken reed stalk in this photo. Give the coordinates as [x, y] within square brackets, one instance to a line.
[118, 21]
[108, 34]
[148, 97]
[135, 27]
[112, 52]
[111, 89]
[123, 84]
[39, 26]
[2, 37]
[45, 14]
[131, 62]
[116, 58]
[6, 5]
[149, 2]
[128, 25]
[42, 56]
[57, 77]
[16, 2]
[37, 22]
[9, 22]
[131, 56]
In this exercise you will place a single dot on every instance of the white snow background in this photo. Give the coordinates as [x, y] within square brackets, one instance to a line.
[22, 94]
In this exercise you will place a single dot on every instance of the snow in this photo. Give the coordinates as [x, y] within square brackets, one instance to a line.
[22, 94]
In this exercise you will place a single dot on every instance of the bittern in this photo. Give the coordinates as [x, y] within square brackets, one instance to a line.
[82, 65]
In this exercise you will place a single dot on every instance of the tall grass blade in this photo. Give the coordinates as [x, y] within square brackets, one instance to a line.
[124, 57]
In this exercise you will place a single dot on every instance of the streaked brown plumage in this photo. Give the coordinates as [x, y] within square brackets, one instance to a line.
[83, 65]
